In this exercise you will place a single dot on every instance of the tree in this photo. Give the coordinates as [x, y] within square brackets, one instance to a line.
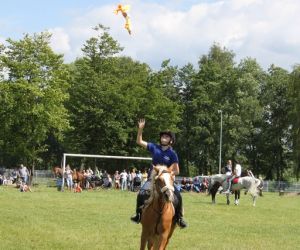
[276, 134]
[294, 93]
[33, 91]
[108, 95]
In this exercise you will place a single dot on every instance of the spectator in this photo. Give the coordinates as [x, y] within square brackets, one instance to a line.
[129, 181]
[144, 177]
[90, 171]
[196, 184]
[133, 175]
[117, 180]
[15, 175]
[105, 175]
[189, 184]
[97, 172]
[183, 185]
[77, 188]
[107, 182]
[205, 184]
[139, 175]
[24, 173]
[69, 177]
[123, 178]
[24, 187]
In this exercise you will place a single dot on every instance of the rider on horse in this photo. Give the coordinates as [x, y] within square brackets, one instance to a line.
[162, 154]
[237, 173]
[228, 172]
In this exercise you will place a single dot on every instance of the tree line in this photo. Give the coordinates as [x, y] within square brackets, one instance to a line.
[92, 106]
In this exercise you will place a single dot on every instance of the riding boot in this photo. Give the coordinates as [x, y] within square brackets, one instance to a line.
[179, 210]
[228, 189]
[139, 205]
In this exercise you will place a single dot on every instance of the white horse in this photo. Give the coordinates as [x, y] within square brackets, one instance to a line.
[250, 183]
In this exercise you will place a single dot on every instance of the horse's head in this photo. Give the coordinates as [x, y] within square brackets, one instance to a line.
[215, 181]
[74, 174]
[57, 171]
[163, 180]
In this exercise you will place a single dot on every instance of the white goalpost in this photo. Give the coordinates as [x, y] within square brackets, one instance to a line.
[97, 156]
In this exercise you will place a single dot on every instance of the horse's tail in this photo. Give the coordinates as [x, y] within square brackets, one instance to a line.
[260, 186]
[256, 187]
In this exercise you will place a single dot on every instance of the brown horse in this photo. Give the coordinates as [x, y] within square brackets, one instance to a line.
[157, 220]
[78, 177]
[57, 171]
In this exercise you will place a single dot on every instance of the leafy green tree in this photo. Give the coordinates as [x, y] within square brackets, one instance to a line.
[211, 91]
[249, 81]
[295, 118]
[33, 86]
[108, 95]
[276, 134]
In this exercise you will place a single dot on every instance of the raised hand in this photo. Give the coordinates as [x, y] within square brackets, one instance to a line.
[141, 123]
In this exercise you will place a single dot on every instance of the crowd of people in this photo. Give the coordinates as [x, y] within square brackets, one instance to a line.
[125, 180]
[18, 176]
[193, 184]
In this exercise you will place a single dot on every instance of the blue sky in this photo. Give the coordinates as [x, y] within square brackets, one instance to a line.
[180, 30]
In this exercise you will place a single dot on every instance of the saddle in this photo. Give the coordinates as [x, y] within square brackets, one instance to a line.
[145, 194]
[235, 180]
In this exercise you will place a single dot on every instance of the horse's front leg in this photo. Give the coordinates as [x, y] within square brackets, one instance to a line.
[254, 200]
[213, 198]
[163, 241]
[143, 242]
[228, 200]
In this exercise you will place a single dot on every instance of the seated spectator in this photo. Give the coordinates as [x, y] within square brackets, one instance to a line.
[15, 175]
[183, 185]
[7, 181]
[104, 175]
[196, 184]
[189, 184]
[107, 182]
[77, 188]
[24, 187]
[204, 185]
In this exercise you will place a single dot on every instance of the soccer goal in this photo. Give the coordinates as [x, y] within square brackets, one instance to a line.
[98, 156]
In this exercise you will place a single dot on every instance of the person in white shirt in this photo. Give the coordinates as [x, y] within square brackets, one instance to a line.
[123, 177]
[69, 177]
[236, 173]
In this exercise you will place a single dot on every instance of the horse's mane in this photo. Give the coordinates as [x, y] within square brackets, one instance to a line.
[153, 177]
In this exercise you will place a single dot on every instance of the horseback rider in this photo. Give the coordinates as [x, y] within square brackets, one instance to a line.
[228, 172]
[162, 154]
[237, 173]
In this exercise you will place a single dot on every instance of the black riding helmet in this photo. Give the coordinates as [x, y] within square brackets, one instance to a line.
[169, 133]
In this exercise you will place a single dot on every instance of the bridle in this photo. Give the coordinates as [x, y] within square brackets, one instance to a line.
[167, 187]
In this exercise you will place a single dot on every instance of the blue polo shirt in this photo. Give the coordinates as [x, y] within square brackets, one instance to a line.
[162, 157]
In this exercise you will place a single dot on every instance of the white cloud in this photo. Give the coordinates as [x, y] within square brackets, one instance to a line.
[263, 29]
[60, 41]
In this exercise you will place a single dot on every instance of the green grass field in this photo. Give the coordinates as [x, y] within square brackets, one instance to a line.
[48, 219]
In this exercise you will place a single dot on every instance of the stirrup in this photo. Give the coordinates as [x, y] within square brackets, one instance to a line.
[226, 192]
